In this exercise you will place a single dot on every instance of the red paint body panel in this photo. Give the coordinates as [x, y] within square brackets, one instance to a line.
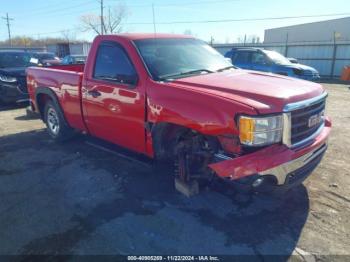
[268, 93]
[194, 109]
[66, 84]
[73, 68]
[207, 103]
[118, 115]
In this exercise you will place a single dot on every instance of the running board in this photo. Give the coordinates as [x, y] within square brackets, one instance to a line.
[115, 150]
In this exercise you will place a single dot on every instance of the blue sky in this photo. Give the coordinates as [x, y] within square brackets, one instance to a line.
[39, 18]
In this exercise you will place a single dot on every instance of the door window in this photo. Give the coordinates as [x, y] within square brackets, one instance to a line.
[242, 58]
[259, 58]
[113, 65]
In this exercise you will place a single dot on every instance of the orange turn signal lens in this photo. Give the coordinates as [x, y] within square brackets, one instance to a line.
[246, 130]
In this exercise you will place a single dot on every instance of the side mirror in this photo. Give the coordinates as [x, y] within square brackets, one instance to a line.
[134, 79]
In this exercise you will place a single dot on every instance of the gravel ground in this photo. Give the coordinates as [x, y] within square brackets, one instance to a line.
[72, 198]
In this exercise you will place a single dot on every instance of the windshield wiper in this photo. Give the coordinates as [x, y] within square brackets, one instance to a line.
[192, 72]
[225, 68]
[197, 71]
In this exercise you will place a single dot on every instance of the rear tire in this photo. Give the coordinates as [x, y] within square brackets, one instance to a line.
[57, 126]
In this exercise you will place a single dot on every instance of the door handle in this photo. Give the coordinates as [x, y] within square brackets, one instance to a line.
[94, 93]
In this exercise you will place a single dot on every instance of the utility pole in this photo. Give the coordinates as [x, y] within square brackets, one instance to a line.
[109, 21]
[102, 22]
[286, 48]
[334, 57]
[8, 19]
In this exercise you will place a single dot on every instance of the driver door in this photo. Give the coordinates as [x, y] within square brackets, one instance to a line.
[113, 99]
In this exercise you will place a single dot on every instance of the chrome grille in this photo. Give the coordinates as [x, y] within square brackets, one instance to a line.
[299, 118]
[300, 121]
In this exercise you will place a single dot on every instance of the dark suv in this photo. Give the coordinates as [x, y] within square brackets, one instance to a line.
[13, 85]
[270, 61]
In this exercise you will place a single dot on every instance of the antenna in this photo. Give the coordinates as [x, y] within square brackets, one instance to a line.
[154, 20]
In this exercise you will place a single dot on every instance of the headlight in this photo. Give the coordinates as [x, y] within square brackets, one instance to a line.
[260, 131]
[8, 79]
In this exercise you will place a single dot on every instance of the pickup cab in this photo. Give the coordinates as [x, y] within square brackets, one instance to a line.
[174, 98]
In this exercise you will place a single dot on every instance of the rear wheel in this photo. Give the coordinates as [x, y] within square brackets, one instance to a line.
[57, 126]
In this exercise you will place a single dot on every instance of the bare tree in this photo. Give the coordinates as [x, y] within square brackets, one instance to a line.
[111, 22]
[68, 35]
[29, 41]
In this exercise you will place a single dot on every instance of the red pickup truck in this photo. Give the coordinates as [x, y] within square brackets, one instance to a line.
[173, 97]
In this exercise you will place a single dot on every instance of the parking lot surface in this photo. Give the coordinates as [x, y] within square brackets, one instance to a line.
[73, 198]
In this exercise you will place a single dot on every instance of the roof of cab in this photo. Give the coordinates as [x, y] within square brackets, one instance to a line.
[138, 36]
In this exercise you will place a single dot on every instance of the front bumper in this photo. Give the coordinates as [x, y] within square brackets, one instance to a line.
[12, 93]
[288, 167]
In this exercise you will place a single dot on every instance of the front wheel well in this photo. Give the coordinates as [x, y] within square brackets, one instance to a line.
[166, 136]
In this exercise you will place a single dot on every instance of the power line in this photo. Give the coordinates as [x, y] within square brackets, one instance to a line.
[236, 20]
[177, 3]
[8, 19]
[197, 2]
[44, 8]
[53, 11]
[212, 21]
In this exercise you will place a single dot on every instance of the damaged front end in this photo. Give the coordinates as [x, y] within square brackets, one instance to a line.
[275, 167]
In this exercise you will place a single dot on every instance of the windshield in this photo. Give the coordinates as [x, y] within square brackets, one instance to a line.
[277, 57]
[8, 60]
[180, 57]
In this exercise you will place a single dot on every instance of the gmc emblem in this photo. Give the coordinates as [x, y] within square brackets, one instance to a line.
[315, 119]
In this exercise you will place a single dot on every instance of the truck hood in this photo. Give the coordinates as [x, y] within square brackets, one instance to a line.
[299, 66]
[305, 67]
[266, 92]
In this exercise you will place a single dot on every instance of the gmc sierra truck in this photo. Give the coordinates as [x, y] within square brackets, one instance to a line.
[174, 98]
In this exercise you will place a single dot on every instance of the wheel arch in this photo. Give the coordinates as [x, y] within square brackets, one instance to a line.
[165, 135]
[42, 96]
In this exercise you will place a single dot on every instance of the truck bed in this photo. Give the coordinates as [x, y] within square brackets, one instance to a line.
[65, 81]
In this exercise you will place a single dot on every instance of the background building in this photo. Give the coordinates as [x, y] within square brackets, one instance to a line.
[324, 31]
[65, 48]
[323, 45]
